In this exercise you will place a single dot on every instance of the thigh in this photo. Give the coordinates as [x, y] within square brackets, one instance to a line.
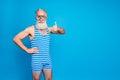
[47, 74]
[35, 74]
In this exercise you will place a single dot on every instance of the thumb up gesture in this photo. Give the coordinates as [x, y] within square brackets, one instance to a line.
[55, 27]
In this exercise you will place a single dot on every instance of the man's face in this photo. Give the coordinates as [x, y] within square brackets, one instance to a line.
[41, 16]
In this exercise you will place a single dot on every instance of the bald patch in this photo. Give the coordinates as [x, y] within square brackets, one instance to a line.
[40, 12]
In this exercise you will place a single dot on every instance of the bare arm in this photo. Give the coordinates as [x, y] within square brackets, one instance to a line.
[56, 29]
[17, 39]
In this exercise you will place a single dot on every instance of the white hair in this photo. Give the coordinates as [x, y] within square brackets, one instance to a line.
[42, 10]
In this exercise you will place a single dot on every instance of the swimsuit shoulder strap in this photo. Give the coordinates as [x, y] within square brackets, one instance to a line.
[47, 30]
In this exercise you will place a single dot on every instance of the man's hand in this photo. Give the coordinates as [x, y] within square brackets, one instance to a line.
[56, 29]
[32, 50]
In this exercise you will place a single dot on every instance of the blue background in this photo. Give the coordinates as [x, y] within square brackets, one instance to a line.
[90, 49]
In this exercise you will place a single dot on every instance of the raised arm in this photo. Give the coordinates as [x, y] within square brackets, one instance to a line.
[56, 29]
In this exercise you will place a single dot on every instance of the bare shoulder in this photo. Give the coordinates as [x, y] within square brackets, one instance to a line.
[29, 30]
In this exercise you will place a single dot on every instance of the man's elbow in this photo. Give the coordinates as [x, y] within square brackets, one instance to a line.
[15, 39]
[62, 31]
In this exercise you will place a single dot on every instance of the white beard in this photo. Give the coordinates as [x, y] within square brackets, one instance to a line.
[41, 25]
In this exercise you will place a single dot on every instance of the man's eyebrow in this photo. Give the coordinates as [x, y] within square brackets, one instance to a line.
[40, 15]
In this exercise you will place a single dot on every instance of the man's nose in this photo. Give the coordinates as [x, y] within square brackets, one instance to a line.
[40, 18]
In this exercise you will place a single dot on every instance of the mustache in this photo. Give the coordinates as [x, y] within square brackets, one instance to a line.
[40, 21]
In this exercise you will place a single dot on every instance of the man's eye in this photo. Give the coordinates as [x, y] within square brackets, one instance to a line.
[38, 16]
[41, 16]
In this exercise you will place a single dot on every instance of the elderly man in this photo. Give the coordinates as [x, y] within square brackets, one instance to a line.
[39, 35]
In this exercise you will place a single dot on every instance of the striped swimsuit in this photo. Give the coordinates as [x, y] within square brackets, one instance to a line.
[41, 59]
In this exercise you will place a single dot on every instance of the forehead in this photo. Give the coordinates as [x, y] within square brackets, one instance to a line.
[41, 12]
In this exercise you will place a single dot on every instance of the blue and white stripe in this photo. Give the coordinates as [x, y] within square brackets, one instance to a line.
[41, 59]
